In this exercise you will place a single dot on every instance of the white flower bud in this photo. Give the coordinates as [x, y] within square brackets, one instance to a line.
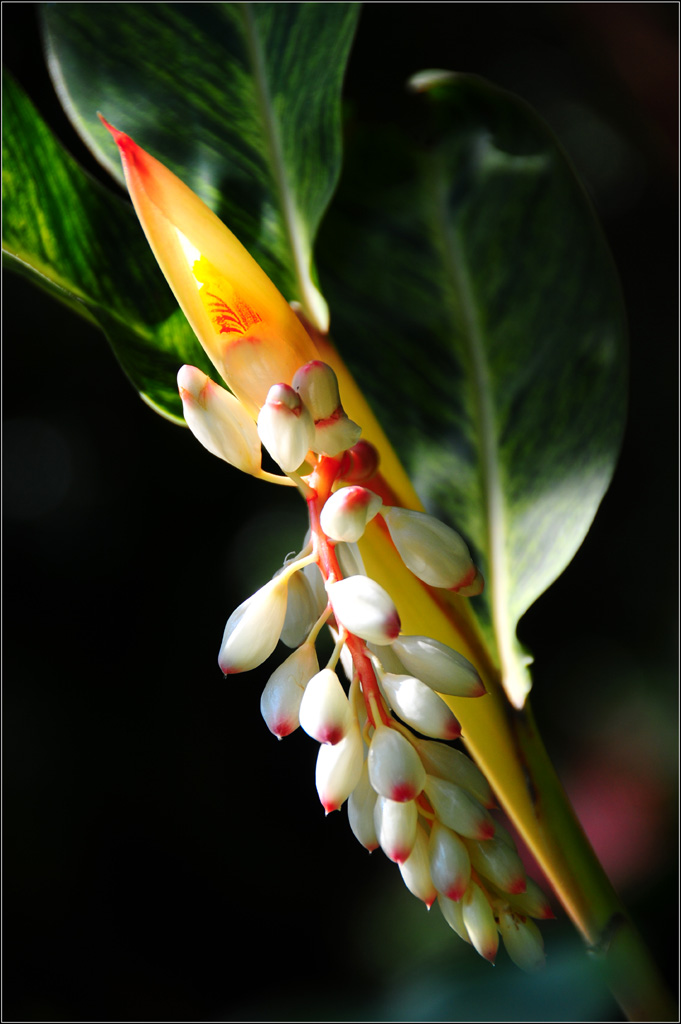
[457, 810]
[339, 769]
[453, 914]
[219, 421]
[478, 918]
[302, 611]
[431, 550]
[474, 588]
[346, 513]
[522, 940]
[253, 629]
[395, 824]
[419, 706]
[395, 770]
[318, 387]
[495, 860]
[415, 870]
[439, 666]
[532, 902]
[450, 865]
[361, 805]
[325, 713]
[365, 609]
[280, 701]
[454, 766]
[285, 427]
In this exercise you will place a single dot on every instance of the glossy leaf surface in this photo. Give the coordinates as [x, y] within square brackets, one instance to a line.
[80, 242]
[240, 100]
[476, 298]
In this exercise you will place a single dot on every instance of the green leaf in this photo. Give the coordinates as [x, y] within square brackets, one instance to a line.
[240, 100]
[474, 296]
[82, 244]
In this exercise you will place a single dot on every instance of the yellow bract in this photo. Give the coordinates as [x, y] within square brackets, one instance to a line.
[248, 330]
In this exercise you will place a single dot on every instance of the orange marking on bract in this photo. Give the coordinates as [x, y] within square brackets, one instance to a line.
[231, 320]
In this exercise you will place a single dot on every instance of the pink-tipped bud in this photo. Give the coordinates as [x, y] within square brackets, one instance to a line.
[439, 666]
[325, 713]
[453, 914]
[431, 550]
[395, 825]
[415, 870]
[474, 588]
[494, 860]
[365, 609]
[285, 427]
[339, 769]
[280, 701]
[395, 770]
[253, 629]
[450, 865]
[532, 902]
[454, 766]
[359, 463]
[219, 421]
[361, 804]
[302, 611]
[522, 940]
[457, 810]
[347, 512]
[318, 387]
[478, 919]
[419, 706]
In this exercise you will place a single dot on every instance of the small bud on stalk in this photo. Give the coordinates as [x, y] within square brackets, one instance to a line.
[415, 870]
[253, 629]
[285, 427]
[339, 769]
[346, 513]
[478, 919]
[433, 551]
[318, 387]
[419, 706]
[280, 701]
[395, 823]
[361, 806]
[439, 666]
[395, 770]
[325, 713]
[365, 609]
[219, 421]
[450, 865]
[522, 940]
[459, 811]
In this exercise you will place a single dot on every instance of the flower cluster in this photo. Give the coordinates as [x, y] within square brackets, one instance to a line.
[422, 801]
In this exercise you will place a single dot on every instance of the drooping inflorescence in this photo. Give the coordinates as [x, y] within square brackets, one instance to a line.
[422, 801]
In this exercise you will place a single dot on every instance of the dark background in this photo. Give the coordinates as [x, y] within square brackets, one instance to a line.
[164, 857]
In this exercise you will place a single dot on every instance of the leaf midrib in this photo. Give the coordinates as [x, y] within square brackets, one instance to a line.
[476, 367]
[272, 138]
